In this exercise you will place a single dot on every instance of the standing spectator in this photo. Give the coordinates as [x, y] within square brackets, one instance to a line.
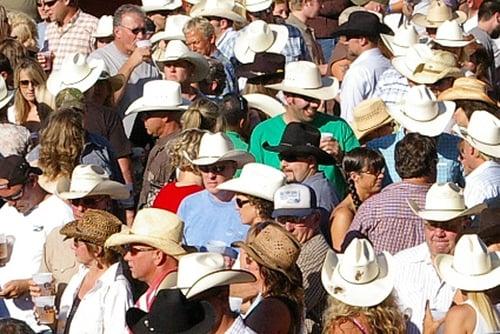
[235, 110]
[43, 44]
[203, 114]
[14, 51]
[70, 30]
[386, 215]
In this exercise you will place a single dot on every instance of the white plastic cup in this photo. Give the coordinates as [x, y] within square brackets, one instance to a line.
[143, 43]
[45, 282]
[45, 309]
[326, 136]
[3, 248]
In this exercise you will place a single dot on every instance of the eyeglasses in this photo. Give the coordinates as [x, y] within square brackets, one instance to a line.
[241, 202]
[290, 157]
[136, 31]
[26, 83]
[15, 197]
[214, 169]
[88, 202]
[134, 250]
[291, 219]
[47, 3]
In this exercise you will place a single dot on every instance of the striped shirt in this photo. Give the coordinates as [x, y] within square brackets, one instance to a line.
[387, 220]
[75, 36]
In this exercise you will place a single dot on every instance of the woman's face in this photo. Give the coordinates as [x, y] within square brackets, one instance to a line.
[82, 253]
[369, 181]
[248, 212]
[27, 86]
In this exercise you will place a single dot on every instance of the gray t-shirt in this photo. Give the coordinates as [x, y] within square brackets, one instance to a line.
[114, 60]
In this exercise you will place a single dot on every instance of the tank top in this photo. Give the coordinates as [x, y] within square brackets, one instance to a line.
[481, 324]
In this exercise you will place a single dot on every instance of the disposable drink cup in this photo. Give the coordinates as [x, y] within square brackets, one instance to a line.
[216, 246]
[144, 43]
[47, 56]
[45, 309]
[326, 135]
[3, 248]
[46, 283]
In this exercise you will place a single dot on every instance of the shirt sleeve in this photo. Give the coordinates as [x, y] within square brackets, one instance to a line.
[116, 303]
[352, 92]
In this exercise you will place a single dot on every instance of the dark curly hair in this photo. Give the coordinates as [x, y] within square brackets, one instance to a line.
[416, 156]
[264, 207]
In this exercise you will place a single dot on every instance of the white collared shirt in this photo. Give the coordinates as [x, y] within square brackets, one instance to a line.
[239, 327]
[482, 183]
[102, 310]
[416, 281]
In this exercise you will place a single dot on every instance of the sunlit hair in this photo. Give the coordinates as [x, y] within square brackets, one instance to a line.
[23, 28]
[106, 255]
[384, 318]
[61, 143]
[201, 24]
[203, 114]
[186, 143]
[13, 50]
[35, 73]
[4, 24]
[485, 307]
[258, 89]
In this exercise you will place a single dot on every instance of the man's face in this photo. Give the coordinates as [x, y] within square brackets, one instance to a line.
[302, 108]
[296, 168]
[197, 42]
[179, 70]
[466, 156]
[312, 8]
[216, 23]
[353, 46]
[98, 202]
[217, 173]
[141, 260]
[441, 237]
[154, 122]
[20, 196]
[56, 10]
[302, 228]
[496, 30]
[131, 29]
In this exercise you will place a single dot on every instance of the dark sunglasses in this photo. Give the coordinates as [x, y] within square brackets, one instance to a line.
[241, 202]
[214, 169]
[134, 250]
[15, 197]
[291, 219]
[26, 83]
[88, 202]
[290, 157]
[46, 3]
[136, 31]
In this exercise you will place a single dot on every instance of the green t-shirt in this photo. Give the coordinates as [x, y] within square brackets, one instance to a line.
[239, 144]
[271, 131]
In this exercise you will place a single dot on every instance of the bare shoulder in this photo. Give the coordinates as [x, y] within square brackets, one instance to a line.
[460, 319]
[263, 318]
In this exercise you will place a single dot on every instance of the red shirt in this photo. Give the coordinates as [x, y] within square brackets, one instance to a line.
[170, 196]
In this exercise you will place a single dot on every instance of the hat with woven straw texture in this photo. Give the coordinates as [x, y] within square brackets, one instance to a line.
[95, 226]
[370, 115]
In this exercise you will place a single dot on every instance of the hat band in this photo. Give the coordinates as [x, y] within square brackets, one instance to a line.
[420, 120]
[78, 81]
[360, 282]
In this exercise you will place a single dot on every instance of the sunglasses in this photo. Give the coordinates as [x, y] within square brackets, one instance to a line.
[26, 83]
[291, 219]
[241, 202]
[136, 31]
[134, 250]
[88, 202]
[290, 157]
[15, 197]
[214, 169]
[46, 3]
[374, 173]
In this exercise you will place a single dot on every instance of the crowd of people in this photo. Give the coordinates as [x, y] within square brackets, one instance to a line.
[254, 166]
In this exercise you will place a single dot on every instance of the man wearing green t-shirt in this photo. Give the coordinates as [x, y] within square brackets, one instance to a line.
[304, 89]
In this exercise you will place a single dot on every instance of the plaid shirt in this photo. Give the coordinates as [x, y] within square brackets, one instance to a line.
[391, 87]
[76, 36]
[387, 220]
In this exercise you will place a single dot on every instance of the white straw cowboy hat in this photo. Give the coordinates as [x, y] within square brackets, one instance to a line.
[421, 112]
[404, 37]
[215, 147]
[199, 272]
[177, 50]
[259, 36]
[90, 180]
[254, 6]
[444, 202]
[467, 88]
[75, 72]
[104, 27]
[173, 29]
[159, 95]
[256, 180]
[370, 115]
[437, 13]
[265, 103]
[159, 5]
[228, 9]
[451, 34]
[5, 94]
[304, 78]
[358, 277]
[482, 133]
[157, 228]
[425, 66]
[472, 267]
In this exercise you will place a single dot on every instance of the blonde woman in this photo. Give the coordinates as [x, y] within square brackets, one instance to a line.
[188, 180]
[28, 77]
[23, 29]
[473, 271]
[360, 286]
[203, 114]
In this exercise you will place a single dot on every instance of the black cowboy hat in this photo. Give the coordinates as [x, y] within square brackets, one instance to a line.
[264, 68]
[303, 140]
[362, 23]
[172, 313]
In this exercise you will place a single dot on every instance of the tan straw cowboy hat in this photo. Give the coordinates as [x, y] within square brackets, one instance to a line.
[467, 88]
[438, 13]
[370, 115]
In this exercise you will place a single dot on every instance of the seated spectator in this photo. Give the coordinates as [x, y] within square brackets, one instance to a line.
[270, 254]
[14, 51]
[372, 120]
[6, 72]
[214, 84]
[360, 284]
[235, 110]
[23, 29]
[14, 140]
[203, 114]
[364, 171]
[188, 177]
[103, 34]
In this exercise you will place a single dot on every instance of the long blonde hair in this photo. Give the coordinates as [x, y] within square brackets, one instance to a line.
[35, 73]
[23, 28]
[384, 318]
[185, 143]
[484, 306]
[61, 143]
[205, 115]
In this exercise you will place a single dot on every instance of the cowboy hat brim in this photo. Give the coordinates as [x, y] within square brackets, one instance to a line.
[362, 295]
[141, 105]
[458, 93]
[218, 278]
[240, 157]
[491, 150]
[166, 36]
[452, 43]
[396, 50]
[114, 189]
[363, 132]
[127, 237]
[199, 62]
[116, 81]
[239, 185]
[265, 103]
[445, 269]
[243, 50]
[422, 77]
[170, 6]
[430, 128]
[217, 12]
[328, 90]
[321, 156]
[58, 81]
[444, 215]
[421, 19]
[6, 99]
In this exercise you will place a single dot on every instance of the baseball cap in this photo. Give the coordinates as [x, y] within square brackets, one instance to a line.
[70, 98]
[14, 169]
[294, 200]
